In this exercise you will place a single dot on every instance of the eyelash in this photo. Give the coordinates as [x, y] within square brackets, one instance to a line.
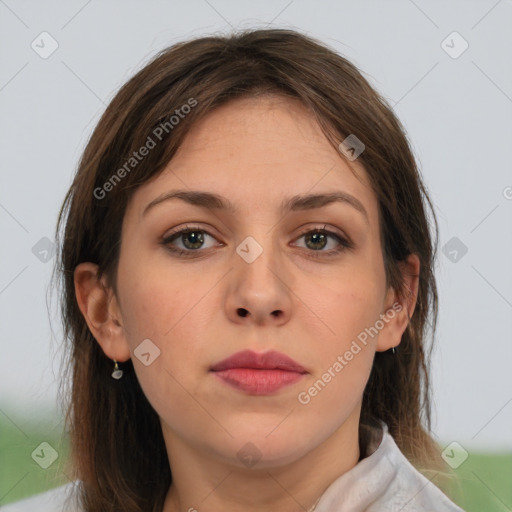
[343, 243]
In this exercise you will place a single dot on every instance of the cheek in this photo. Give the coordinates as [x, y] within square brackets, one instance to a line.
[343, 356]
[344, 306]
[157, 299]
[163, 308]
[166, 306]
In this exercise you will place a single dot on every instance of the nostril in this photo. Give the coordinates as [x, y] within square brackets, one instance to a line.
[242, 312]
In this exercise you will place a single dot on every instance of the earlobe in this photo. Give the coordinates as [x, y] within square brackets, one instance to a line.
[400, 305]
[98, 306]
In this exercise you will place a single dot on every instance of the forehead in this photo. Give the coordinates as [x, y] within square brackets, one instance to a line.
[257, 151]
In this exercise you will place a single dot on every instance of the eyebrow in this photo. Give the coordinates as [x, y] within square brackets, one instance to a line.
[295, 203]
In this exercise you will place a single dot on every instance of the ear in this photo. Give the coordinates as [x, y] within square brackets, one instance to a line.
[101, 312]
[399, 305]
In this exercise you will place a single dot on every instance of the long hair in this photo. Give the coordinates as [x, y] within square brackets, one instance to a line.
[117, 447]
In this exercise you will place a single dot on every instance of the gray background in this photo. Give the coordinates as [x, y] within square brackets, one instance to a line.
[457, 112]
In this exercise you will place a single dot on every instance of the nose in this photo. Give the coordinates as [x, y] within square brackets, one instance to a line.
[260, 289]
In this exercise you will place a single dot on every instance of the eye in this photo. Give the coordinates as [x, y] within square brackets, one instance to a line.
[317, 240]
[192, 239]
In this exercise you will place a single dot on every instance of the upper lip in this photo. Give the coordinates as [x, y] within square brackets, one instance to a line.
[271, 360]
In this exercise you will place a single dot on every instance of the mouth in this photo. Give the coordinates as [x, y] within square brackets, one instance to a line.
[259, 373]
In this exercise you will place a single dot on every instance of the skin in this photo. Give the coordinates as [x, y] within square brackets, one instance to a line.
[254, 152]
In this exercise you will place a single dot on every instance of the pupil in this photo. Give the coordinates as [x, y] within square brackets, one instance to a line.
[315, 237]
[194, 235]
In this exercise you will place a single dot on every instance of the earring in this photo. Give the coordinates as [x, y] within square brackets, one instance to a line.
[392, 350]
[117, 373]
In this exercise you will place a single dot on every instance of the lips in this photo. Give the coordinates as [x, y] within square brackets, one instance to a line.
[259, 373]
[266, 361]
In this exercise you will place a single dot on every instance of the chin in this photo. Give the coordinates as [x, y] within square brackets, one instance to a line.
[267, 450]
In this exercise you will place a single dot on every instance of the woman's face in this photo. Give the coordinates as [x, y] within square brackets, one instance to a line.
[252, 279]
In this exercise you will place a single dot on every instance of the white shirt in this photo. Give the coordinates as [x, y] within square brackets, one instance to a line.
[385, 481]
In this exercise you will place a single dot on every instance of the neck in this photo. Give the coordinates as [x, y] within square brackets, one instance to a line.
[206, 483]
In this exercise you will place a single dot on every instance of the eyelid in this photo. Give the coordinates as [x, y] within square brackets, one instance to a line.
[323, 227]
[184, 228]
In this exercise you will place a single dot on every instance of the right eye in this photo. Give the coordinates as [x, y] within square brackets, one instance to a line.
[192, 239]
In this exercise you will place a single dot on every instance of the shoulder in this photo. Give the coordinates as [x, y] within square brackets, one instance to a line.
[60, 499]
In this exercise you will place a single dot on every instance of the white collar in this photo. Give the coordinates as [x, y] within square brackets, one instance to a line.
[384, 480]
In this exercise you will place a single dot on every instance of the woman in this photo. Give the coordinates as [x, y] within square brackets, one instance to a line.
[247, 273]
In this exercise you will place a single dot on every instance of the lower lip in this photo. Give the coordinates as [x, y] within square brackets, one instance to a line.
[258, 382]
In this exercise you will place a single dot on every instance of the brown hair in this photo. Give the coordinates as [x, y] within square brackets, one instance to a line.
[109, 421]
